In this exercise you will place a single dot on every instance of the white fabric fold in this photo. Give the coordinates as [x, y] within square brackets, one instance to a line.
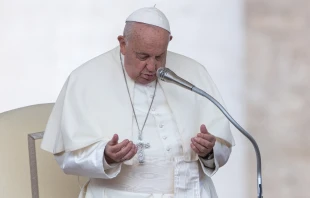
[221, 155]
[88, 162]
[188, 180]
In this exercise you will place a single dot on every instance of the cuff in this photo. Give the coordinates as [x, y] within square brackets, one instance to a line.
[211, 166]
[107, 166]
[111, 170]
[208, 163]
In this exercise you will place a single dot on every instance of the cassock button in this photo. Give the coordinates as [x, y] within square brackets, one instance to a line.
[164, 137]
[161, 126]
[153, 109]
[168, 149]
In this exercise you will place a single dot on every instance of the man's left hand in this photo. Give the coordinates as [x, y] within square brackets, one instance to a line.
[203, 143]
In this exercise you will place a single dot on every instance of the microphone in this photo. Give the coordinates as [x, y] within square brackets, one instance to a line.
[165, 74]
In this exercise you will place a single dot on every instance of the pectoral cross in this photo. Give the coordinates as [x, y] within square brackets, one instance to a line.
[141, 146]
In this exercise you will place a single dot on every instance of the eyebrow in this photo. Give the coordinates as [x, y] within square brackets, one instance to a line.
[145, 54]
[161, 54]
[142, 53]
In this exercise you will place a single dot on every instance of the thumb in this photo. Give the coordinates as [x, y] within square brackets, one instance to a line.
[203, 129]
[114, 140]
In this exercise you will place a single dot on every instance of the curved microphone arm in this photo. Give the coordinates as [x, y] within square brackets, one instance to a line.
[244, 132]
[167, 75]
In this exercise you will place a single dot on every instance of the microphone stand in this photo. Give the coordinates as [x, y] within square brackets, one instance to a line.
[244, 132]
[167, 75]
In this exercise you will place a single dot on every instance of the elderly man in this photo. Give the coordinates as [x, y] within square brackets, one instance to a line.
[132, 135]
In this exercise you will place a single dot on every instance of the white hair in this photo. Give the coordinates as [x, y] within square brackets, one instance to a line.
[129, 30]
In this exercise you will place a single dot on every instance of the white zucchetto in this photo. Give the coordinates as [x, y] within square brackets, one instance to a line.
[151, 16]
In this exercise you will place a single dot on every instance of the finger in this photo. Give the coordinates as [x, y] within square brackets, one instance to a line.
[130, 154]
[116, 148]
[205, 143]
[108, 155]
[195, 149]
[207, 136]
[203, 129]
[114, 140]
[201, 148]
[122, 153]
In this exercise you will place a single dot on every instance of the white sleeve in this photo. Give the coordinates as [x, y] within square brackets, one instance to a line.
[221, 156]
[88, 162]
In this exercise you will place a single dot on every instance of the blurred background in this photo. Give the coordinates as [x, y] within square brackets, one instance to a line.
[257, 52]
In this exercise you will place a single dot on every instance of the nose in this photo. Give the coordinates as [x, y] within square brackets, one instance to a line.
[151, 65]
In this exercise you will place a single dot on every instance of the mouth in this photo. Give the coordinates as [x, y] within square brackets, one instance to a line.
[148, 76]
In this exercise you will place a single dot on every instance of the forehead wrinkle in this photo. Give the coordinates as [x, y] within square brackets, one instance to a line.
[148, 42]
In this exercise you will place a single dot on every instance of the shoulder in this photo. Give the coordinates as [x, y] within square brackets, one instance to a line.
[179, 58]
[99, 64]
[193, 72]
[185, 65]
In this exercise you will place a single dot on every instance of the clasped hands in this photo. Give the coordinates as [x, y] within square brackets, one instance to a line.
[116, 152]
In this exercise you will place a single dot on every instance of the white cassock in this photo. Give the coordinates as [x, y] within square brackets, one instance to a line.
[94, 104]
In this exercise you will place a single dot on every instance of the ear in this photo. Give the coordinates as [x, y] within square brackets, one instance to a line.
[171, 38]
[122, 44]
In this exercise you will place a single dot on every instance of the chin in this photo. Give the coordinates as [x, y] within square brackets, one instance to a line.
[145, 81]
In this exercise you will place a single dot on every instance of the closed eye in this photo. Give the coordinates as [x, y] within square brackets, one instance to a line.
[158, 58]
[142, 56]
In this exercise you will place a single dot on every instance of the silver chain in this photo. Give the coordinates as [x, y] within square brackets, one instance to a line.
[133, 109]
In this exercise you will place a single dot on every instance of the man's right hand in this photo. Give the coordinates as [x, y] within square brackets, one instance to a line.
[118, 152]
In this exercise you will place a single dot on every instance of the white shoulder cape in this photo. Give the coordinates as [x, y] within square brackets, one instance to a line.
[94, 104]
